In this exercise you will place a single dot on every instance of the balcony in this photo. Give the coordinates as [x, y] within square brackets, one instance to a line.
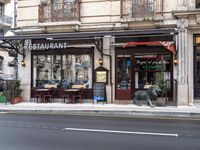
[138, 8]
[5, 20]
[67, 11]
[4, 1]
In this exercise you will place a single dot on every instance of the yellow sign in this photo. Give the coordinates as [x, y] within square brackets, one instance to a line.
[197, 40]
[101, 76]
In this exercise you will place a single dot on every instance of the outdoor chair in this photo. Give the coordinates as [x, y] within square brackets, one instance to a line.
[37, 96]
[78, 96]
[64, 95]
[47, 96]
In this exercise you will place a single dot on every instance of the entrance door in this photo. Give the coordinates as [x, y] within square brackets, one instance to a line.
[197, 72]
[138, 71]
[123, 77]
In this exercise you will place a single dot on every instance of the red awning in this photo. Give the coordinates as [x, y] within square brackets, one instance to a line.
[170, 46]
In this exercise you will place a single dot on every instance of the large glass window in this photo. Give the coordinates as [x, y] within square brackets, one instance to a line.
[151, 69]
[54, 71]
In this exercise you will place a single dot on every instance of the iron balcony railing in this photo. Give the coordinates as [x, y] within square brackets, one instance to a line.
[138, 8]
[6, 20]
[57, 12]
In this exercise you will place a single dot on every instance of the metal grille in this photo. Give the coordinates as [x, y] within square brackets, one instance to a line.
[138, 8]
[59, 10]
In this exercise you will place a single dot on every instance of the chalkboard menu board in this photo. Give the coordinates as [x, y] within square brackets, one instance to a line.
[99, 91]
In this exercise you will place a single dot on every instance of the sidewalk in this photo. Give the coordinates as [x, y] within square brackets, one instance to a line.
[129, 110]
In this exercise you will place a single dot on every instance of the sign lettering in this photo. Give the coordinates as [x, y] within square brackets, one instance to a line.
[46, 46]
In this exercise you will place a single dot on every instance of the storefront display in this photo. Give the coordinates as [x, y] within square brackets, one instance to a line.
[140, 68]
[54, 71]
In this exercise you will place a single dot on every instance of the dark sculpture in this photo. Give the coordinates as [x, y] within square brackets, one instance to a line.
[148, 95]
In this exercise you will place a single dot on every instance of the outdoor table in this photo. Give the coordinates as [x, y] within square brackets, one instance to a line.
[71, 93]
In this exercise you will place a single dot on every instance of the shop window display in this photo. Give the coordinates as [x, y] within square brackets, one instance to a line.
[149, 69]
[54, 71]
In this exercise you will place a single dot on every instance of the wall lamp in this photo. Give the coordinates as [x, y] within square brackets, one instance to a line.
[100, 61]
[175, 61]
[23, 63]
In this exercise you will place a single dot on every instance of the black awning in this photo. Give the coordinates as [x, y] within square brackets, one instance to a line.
[79, 35]
[15, 44]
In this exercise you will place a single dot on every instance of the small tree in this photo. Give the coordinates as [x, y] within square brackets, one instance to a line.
[16, 92]
[161, 83]
[16, 88]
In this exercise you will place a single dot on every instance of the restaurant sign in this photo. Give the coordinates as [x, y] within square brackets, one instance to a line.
[152, 63]
[46, 46]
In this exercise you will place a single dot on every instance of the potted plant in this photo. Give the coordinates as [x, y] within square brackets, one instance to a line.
[161, 101]
[16, 92]
[2, 97]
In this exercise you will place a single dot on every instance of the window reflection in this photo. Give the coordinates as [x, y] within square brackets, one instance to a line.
[123, 71]
[151, 69]
[54, 71]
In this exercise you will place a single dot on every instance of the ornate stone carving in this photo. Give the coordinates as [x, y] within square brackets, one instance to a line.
[182, 24]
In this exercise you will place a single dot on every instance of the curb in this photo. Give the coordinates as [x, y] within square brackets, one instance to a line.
[112, 113]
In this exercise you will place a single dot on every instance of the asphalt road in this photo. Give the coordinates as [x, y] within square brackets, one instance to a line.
[62, 132]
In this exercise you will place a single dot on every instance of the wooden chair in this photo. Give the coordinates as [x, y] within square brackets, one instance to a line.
[47, 96]
[78, 96]
[37, 96]
[54, 94]
[64, 95]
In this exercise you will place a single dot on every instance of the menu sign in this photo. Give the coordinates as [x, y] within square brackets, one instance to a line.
[99, 91]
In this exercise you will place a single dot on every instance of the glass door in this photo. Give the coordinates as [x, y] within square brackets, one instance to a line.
[123, 77]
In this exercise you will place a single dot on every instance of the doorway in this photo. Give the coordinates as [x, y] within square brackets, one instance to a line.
[139, 68]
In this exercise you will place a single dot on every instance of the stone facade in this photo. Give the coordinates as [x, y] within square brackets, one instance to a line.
[119, 15]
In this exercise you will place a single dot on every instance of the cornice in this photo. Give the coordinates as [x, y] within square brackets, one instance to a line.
[185, 13]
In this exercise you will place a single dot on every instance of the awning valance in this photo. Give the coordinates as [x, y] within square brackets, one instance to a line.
[170, 46]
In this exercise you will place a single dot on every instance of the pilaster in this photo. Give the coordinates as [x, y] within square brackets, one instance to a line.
[182, 25]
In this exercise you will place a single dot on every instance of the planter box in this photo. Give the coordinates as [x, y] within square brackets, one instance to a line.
[16, 100]
[161, 101]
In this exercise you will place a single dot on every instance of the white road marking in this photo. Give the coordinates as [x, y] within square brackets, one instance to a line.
[121, 132]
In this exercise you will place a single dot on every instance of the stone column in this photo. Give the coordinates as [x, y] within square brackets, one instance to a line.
[182, 25]
[107, 61]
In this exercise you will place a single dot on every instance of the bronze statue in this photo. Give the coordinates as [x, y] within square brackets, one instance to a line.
[148, 95]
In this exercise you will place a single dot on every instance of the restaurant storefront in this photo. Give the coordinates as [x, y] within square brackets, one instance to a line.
[68, 60]
[142, 64]
[56, 64]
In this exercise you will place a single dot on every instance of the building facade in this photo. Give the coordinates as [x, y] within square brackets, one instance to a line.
[6, 23]
[141, 43]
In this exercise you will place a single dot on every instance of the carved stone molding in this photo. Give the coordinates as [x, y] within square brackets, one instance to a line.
[198, 18]
[182, 24]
